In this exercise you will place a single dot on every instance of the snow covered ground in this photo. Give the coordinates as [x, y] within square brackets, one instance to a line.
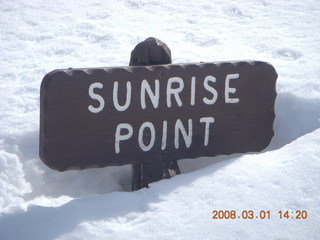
[38, 203]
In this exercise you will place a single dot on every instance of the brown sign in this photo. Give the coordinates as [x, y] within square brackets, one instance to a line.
[126, 115]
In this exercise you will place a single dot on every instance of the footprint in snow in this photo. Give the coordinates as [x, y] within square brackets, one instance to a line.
[235, 12]
[287, 54]
[201, 41]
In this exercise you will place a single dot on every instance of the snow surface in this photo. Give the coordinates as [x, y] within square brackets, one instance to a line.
[39, 203]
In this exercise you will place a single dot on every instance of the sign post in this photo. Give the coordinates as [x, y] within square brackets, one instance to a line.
[151, 116]
[152, 51]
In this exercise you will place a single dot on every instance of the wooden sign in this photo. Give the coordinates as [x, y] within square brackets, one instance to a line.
[133, 115]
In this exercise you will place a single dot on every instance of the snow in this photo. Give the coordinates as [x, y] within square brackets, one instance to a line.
[39, 203]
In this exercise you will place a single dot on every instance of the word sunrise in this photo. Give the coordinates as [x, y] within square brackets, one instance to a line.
[173, 88]
[114, 116]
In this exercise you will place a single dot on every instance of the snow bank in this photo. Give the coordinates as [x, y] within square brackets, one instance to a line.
[12, 183]
[181, 208]
[286, 179]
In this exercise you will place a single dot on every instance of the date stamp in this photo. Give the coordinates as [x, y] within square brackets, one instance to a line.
[261, 214]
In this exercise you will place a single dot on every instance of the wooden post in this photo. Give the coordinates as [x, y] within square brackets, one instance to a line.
[151, 51]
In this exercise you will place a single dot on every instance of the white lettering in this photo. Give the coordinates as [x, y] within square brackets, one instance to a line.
[152, 136]
[207, 121]
[116, 100]
[164, 135]
[193, 91]
[97, 97]
[119, 137]
[154, 97]
[229, 90]
[210, 89]
[187, 137]
[174, 91]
